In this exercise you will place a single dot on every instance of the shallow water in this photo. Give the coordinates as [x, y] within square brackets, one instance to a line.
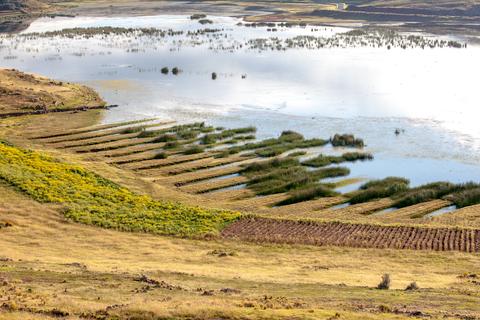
[430, 93]
[441, 211]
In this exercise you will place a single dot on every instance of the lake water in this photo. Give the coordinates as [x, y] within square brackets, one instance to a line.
[429, 93]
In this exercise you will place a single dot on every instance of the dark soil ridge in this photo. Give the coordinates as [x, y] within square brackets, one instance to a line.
[353, 235]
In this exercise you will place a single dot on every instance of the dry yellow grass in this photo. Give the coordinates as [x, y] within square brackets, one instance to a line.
[465, 217]
[100, 266]
[201, 164]
[416, 211]
[211, 185]
[357, 209]
[157, 163]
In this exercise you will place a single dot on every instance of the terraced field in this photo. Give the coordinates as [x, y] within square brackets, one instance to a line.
[280, 178]
[351, 235]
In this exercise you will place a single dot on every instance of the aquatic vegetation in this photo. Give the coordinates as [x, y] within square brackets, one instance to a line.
[346, 140]
[198, 16]
[465, 198]
[283, 175]
[88, 198]
[437, 190]
[378, 189]
[161, 155]
[308, 193]
[205, 21]
[165, 138]
[325, 160]
[212, 138]
[194, 150]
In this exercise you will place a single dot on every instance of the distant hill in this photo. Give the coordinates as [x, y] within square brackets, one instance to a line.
[21, 6]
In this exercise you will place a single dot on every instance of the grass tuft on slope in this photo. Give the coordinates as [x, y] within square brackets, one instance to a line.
[91, 199]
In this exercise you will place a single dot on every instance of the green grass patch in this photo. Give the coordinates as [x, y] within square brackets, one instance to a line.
[285, 175]
[308, 193]
[378, 189]
[346, 140]
[88, 198]
[325, 160]
[194, 150]
[438, 190]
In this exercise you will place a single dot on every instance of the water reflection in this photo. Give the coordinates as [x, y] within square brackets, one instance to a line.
[430, 93]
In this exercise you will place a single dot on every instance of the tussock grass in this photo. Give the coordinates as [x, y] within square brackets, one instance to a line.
[377, 189]
[288, 140]
[161, 155]
[325, 160]
[465, 198]
[308, 193]
[194, 150]
[227, 133]
[91, 199]
[346, 140]
[165, 138]
[283, 175]
[462, 193]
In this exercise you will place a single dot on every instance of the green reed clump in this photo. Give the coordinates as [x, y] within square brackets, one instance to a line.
[161, 155]
[194, 150]
[297, 154]
[286, 145]
[432, 191]
[464, 198]
[228, 133]
[188, 134]
[378, 189]
[325, 160]
[172, 145]
[283, 175]
[308, 193]
[346, 140]
[165, 138]
[133, 130]
[264, 166]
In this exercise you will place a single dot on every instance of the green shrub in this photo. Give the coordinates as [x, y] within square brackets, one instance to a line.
[194, 150]
[346, 140]
[171, 145]
[165, 138]
[465, 198]
[161, 155]
[308, 193]
[378, 189]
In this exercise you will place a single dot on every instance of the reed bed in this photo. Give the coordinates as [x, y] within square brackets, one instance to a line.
[325, 160]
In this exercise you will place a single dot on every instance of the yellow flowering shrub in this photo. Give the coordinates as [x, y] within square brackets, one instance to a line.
[91, 199]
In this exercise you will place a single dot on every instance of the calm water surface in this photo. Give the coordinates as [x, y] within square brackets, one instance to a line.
[432, 94]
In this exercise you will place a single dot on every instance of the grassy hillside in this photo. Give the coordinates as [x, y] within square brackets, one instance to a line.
[24, 93]
[91, 199]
